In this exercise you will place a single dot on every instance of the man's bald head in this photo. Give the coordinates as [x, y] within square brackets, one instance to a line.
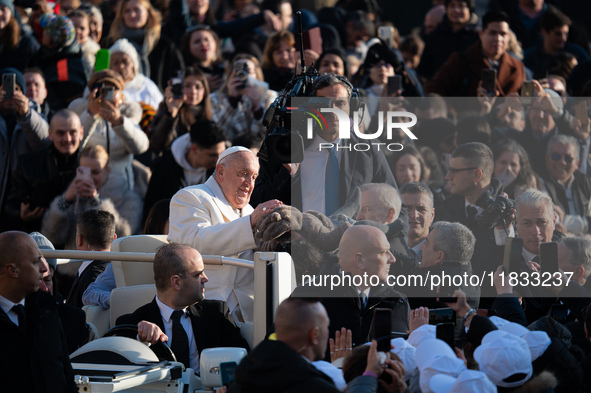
[365, 249]
[22, 266]
[302, 324]
[433, 17]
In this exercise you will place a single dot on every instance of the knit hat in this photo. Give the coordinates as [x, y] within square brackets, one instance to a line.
[106, 76]
[60, 29]
[124, 46]
[20, 79]
[44, 244]
[9, 5]
[502, 356]
[554, 329]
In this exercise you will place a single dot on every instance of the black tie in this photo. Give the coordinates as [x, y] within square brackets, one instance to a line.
[19, 309]
[472, 212]
[180, 342]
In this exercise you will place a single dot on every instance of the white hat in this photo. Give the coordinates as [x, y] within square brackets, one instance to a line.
[440, 365]
[336, 374]
[537, 341]
[498, 321]
[468, 381]
[406, 353]
[514, 328]
[502, 355]
[431, 349]
[421, 334]
[231, 150]
[124, 46]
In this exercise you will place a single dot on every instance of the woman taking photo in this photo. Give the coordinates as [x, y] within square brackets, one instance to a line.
[512, 168]
[112, 122]
[176, 114]
[238, 108]
[139, 22]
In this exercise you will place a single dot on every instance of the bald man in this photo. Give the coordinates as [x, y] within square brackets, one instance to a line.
[44, 174]
[216, 219]
[364, 256]
[35, 351]
[284, 364]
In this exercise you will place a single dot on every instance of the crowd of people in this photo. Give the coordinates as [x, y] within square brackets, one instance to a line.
[126, 117]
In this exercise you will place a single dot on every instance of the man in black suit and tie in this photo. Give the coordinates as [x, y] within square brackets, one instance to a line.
[95, 231]
[469, 176]
[34, 352]
[179, 312]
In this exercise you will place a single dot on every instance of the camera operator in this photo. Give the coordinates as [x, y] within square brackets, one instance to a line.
[239, 106]
[112, 122]
[307, 187]
[535, 223]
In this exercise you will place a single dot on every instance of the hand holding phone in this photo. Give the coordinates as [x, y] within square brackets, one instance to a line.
[8, 85]
[489, 81]
[394, 85]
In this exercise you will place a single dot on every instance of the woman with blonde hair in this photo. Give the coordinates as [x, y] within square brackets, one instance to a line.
[139, 22]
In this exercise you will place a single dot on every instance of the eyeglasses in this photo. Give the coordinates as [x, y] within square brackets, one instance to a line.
[558, 157]
[453, 171]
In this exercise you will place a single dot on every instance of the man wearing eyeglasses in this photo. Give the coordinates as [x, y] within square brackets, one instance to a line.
[568, 188]
[469, 176]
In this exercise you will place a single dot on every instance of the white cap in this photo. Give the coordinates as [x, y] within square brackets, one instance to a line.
[468, 381]
[406, 353]
[431, 349]
[537, 341]
[498, 321]
[502, 355]
[514, 328]
[124, 46]
[440, 365]
[231, 150]
[421, 334]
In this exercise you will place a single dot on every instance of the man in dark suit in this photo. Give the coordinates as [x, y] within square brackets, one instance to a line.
[95, 231]
[179, 313]
[34, 353]
[469, 176]
[307, 187]
[364, 251]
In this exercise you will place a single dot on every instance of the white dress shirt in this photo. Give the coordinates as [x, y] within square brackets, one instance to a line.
[7, 306]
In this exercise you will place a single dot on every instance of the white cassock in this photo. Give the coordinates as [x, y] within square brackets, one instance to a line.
[202, 217]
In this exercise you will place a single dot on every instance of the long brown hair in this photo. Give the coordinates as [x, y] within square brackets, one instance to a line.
[11, 34]
[151, 29]
[187, 116]
[273, 44]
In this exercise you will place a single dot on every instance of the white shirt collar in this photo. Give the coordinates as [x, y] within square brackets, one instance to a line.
[166, 311]
[529, 256]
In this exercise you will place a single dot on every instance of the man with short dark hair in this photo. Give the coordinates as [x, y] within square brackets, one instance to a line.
[190, 161]
[469, 176]
[418, 199]
[554, 26]
[34, 353]
[42, 175]
[95, 231]
[461, 74]
[37, 91]
[179, 312]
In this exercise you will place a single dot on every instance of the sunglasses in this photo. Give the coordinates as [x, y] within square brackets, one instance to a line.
[558, 157]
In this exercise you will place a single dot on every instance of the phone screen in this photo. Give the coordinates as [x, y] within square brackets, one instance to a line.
[441, 315]
[8, 82]
[394, 84]
[549, 257]
[489, 81]
[446, 332]
[512, 256]
[228, 372]
[382, 326]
